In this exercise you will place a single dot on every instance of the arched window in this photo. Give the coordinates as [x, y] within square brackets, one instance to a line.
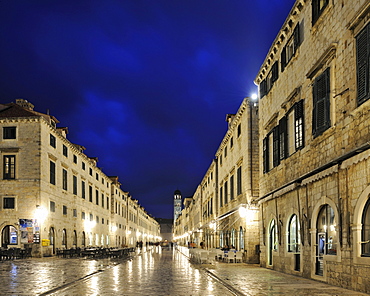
[233, 238]
[365, 234]
[241, 238]
[64, 238]
[294, 240]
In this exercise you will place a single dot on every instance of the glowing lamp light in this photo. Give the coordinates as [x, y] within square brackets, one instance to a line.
[254, 97]
[114, 228]
[243, 212]
[89, 224]
[40, 214]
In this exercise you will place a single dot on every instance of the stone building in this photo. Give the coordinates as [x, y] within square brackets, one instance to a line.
[50, 190]
[314, 142]
[222, 212]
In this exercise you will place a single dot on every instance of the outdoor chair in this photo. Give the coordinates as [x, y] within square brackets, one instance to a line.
[238, 256]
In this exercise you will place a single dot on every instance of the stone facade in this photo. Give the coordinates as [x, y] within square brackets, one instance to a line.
[51, 190]
[314, 143]
[211, 216]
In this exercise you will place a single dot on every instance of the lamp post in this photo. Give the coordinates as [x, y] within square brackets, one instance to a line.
[39, 218]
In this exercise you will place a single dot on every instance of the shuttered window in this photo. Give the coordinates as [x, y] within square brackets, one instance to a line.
[321, 103]
[318, 7]
[291, 47]
[363, 64]
[268, 82]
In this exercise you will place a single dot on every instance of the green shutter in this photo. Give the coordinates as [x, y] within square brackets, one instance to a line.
[363, 56]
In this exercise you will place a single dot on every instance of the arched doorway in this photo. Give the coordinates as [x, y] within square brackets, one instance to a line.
[326, 238]
[9, 236]
[272, 241]
[64, 238]
[74, 238]
[52, 238]
[83, 239]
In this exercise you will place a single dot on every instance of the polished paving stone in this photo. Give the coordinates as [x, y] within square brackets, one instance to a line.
[155, 272]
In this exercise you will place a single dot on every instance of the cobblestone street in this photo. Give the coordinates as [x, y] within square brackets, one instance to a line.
[156, 272]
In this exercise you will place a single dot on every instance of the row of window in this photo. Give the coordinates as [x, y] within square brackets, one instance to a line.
[75, 186]
[326, 233]
[291, 47]
[75, 159]
[287, 54]
[288, 136]
[226, 193]
[231, 141]
[284, 139]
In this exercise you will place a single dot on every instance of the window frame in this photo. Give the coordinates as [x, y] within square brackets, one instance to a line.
[239, 189]
[9, 167]
[5, 203]
[64, 179]
[52, 206]
[65, 150]
[53, 141]
[74, 184]
[9, 133]
[52, 172]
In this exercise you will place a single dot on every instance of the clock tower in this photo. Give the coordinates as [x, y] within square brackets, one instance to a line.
[177, 205]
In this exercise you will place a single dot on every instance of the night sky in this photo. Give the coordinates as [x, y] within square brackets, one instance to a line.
[144, 85]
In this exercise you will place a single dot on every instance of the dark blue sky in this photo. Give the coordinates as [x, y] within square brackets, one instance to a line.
[143, 85]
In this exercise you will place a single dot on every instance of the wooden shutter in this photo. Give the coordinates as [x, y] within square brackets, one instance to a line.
[363, 61]
[321, 103]
[266, 154]
[296, 36]
[263, 88]
[275, 146]
[275, 72]
[283, 141]
[283, 59]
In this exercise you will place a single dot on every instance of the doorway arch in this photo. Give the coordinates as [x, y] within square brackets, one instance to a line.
[52, 238]
[9, 236]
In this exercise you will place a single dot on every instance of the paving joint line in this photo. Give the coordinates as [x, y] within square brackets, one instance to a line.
[84, 278]
[218, 279]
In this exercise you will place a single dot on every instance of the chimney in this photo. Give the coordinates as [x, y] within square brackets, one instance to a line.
[229, 119]
[24, 104]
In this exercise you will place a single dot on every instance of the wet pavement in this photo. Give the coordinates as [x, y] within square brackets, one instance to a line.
[155, 272]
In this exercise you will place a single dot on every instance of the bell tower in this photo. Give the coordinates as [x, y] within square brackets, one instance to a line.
[177, 205]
